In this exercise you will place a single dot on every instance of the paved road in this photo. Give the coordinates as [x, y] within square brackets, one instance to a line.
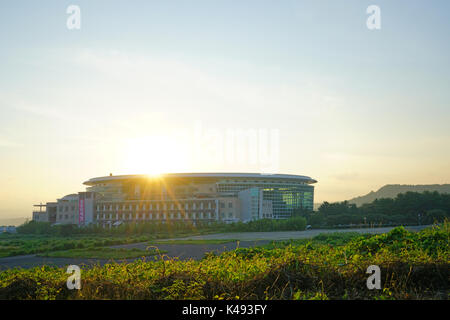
[187, 251]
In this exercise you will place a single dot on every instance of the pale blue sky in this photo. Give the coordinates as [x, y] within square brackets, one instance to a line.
[355, 108]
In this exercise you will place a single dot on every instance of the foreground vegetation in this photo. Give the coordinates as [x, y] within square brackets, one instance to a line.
[333, 266]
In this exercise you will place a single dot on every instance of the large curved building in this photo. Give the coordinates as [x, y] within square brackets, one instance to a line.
[227, 197]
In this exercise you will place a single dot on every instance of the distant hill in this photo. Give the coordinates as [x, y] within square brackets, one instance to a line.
[392, 190]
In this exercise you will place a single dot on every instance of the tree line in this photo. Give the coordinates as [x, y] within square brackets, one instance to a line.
[168, 228]
[410, 208]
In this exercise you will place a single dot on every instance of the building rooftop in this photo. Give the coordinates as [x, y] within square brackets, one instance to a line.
[202, 175]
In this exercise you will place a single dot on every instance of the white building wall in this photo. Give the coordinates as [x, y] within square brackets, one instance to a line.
[251, 204]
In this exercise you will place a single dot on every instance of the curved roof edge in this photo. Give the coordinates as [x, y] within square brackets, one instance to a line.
[225, 175]
[72, 196]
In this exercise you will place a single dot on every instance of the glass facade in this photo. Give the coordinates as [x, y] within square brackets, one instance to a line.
[285, 196]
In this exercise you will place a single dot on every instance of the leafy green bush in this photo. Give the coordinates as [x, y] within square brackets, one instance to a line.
[434, 241]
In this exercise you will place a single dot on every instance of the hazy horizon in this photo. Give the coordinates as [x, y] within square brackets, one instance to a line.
[152, 86]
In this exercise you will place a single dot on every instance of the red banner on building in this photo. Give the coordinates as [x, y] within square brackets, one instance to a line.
[81, 209]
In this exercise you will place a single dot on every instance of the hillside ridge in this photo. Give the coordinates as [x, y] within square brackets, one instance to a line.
[392, 190]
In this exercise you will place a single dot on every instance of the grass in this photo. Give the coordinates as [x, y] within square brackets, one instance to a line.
[14, 245]
[333, 239]
[101, 253]
[195, 241]
[413, 266]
